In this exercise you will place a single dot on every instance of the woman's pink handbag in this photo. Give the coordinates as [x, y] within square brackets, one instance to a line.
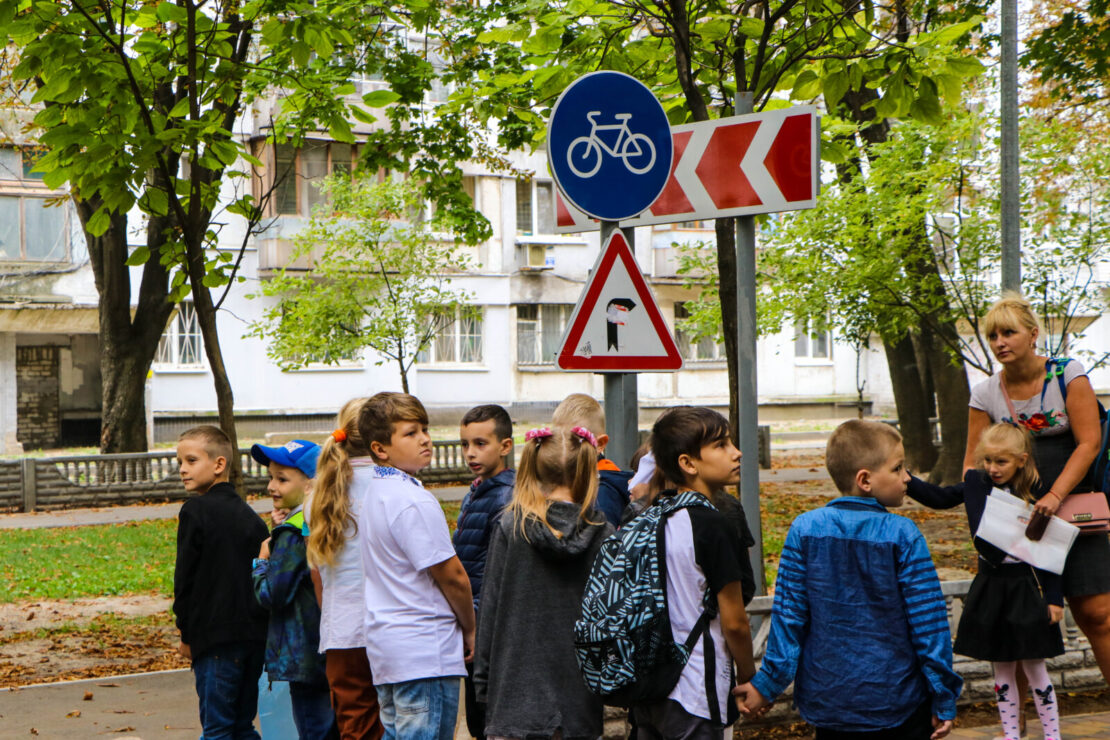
[1088, 511]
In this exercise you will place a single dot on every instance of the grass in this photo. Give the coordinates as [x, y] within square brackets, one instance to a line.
[101, 560]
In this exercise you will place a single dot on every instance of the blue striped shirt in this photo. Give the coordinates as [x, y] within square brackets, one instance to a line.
[859, 622]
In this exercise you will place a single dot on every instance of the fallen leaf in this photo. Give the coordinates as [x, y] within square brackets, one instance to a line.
[124, 729]
[34, 731]
[122, 711]
[30, 616]
[109, 685]
[74, 713]
[88, 696]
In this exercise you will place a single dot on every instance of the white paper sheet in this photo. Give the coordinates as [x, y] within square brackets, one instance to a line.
[1003, 525]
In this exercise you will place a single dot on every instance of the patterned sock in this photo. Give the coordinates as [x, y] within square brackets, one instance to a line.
[1009, 703]
[1044, 697]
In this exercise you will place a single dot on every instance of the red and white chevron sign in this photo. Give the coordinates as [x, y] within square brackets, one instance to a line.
[738, 166]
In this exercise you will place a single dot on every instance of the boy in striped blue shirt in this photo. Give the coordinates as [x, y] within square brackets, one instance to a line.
[859, 622]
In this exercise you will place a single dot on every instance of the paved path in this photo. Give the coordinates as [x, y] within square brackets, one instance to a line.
[1076, 727]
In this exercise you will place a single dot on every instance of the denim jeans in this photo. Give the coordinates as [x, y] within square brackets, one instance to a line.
[312, 712]
[424, 709]
[227, 686]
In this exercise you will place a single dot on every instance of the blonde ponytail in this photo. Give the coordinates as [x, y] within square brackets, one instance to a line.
[330, 519]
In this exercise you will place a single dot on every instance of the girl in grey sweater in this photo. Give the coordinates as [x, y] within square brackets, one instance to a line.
[539, 559]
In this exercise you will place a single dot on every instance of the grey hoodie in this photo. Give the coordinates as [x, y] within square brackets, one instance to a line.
[525, 669]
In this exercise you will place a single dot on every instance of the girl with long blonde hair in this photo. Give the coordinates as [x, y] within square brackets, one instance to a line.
[539, 559]
[333, 523]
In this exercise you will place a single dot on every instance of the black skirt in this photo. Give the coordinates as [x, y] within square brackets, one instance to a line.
[1006, 617]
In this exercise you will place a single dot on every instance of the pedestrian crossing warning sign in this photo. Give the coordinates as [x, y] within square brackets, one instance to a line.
[617, 326]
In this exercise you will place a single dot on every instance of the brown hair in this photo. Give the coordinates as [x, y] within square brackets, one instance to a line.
[382, 410]
[502, 422]
[1011, 311]
[682, 430]
[1013, 440]
[580, 410]
[858, 445]
[216, 442]
[329, 508]
[561, 459]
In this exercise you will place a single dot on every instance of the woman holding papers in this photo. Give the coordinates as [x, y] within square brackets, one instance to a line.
[1053, 399]
[1012, 608]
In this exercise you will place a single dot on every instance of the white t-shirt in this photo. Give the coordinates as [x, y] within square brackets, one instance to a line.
[342, 599]
[1043, 415]
[686, 583]
[411, 630]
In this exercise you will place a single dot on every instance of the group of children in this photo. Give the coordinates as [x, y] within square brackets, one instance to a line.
[374, 613]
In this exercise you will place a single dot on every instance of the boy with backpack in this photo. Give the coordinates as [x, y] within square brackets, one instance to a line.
[666, 646]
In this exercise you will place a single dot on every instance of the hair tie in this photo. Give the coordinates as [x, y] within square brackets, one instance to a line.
[339, 435]
[537, 434]
[585, 434]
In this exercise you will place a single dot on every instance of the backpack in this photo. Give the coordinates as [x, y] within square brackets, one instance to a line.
[624, 645]
[1099, 474]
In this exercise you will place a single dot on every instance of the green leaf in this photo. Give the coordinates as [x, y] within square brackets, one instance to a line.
[713, 29]
[751, 27]
[807, 86]
[138, 257]
[380, 98]
[835, 86]
[302, 52]
[964, 66]
[99, 222]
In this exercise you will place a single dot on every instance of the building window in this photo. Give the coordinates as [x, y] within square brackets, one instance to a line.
[181, 344]
[459, 341]
[295, 174]
[34, 221]
[539, 331]
[706, 349]
[811, 344]
[535, 207]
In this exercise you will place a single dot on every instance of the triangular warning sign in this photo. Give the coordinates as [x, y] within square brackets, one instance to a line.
[616, 326]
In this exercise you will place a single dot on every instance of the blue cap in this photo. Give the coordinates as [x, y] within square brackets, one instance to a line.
[298, 453]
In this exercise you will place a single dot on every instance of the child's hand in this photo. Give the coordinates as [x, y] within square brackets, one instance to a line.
[184, 650]
[940, 728]
[749, 701]
[468, 646]
[277, 516]
[264, 551]
[1055, 613]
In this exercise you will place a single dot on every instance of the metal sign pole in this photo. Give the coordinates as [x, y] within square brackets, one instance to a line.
[746, 372]
[622, 403]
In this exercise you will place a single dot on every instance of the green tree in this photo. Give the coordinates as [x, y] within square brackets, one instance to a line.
[380, 280]
[701, 58]
[140, 104]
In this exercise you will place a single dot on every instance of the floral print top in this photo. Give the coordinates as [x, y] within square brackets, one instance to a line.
[1044, 414]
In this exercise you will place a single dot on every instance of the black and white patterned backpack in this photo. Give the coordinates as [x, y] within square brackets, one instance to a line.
[623, 642]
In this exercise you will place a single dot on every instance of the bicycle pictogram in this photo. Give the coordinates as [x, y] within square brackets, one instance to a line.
[636, 150]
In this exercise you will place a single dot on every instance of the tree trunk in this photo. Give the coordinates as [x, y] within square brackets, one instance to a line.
[912, 406]
[726, 286]
[952, 396]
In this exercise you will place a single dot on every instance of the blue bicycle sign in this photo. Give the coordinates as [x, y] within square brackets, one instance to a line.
[609, 145]
[636, 150]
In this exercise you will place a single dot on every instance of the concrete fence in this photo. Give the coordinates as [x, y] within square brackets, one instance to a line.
[38, 484]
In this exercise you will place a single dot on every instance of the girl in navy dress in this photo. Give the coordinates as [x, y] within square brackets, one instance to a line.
[1012, 610]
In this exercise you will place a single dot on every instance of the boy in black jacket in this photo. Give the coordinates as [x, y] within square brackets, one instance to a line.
[223, 630]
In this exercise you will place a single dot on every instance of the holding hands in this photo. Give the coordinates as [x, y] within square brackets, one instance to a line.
[749, 701]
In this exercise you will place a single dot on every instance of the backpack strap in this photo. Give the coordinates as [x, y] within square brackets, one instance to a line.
[709, 665]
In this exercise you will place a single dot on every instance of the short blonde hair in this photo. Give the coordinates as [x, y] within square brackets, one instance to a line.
[1014, 440]
[580, 410]
[1011, 311]
[858, 445]
[215, 440]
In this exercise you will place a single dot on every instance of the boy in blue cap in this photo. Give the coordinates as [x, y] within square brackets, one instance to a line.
[283, 585]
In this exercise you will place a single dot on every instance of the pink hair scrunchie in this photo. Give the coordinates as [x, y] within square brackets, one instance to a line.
[538, 434]
[585, 434]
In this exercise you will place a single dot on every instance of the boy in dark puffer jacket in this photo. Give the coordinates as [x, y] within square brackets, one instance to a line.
[283, 585]
[487, 438]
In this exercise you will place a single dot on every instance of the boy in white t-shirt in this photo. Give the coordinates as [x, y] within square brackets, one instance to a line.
[419, 613]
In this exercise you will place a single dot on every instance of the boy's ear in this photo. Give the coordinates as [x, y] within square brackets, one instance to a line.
[686, 465]
[220, 464]
[602, 440]
[506, 446]
[378, 451]
[863, 480]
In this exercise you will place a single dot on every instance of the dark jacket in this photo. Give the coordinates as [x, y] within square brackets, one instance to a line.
[478, 515]
[612, 490]
[525, 667]
[283, 586]
[972, 493]
[218, 536]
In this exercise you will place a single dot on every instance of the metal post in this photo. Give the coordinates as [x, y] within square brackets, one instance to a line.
[746, 387]
[622, 403]
[1011, 173]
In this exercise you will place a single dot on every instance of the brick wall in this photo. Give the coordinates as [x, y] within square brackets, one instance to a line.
[38, 419]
